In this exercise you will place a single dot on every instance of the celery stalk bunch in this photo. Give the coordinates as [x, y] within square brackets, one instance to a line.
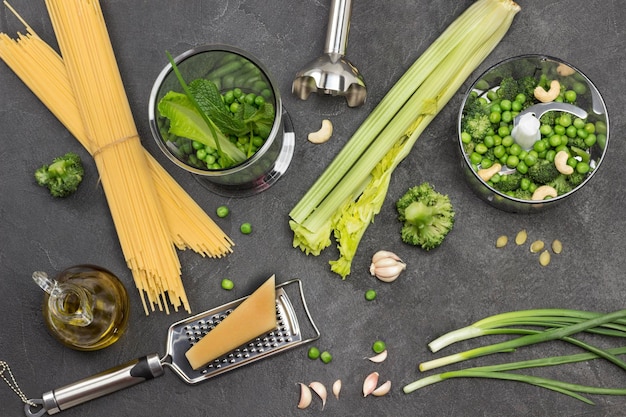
[350, 192]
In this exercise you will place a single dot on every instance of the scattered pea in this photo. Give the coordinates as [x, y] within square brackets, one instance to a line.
[379, 346]
[227, 284]
[326, 357]
[370, 295]
[246, 228]
[222, 211]
[314, 353]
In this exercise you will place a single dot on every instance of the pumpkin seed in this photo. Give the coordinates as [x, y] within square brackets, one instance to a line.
[502, 241]
[544, 258]
[537, 246]
[557, 246]
[521, 237]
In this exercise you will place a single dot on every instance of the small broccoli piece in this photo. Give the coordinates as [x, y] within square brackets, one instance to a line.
[577, 142]
[63, 176]
[549, 118]
[575, 179]
[509, 182]
[522, 194]
[427, 216]
[526, 85]
[543, 172]
[561, 184]
[478, 126]
[509, 89]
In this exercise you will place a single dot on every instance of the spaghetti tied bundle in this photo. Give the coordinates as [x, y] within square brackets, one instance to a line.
[151, 212]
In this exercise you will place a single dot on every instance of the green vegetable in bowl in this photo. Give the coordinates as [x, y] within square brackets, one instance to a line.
[63, 176]
[223, 132]
[427, 216]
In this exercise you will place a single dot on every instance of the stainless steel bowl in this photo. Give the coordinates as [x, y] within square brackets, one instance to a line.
[536, 65]
[269, 163]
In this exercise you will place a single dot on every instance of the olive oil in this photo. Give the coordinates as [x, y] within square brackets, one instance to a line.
[86, 308]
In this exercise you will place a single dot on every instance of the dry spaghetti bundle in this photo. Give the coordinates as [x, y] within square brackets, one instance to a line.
[150, 210]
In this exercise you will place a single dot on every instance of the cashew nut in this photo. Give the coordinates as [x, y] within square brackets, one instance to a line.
[550, 95]
[323, 134]
[544, 191]
[565, 70]
[560, 162]
[486, 173]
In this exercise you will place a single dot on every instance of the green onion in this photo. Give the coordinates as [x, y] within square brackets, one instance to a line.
[537, 317]
[559, 324]
[546, 335]
[351, 191]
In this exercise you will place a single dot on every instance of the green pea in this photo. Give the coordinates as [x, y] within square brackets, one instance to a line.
[259, 101]
[590, 140]
[326, 357]
[512, 161]
[515, 149]
[506, 116]
[521, 167]
[578, 123]
[504, 131]
[466, 137]
[246, 228]
[554, 140]
[222, 211]
[530, 159]
[545, 130]
[229, 97]
[507, 140]
[481, 148]
[559, 130]
[201, 154]
[250, 97]
[489, 141]
[565, 120]
[197, 145]
[227, 284]
[234, 107]
[475, 158]
[590, 128]
[379, 346]
[520, 98]
[550, 155]
[494, 117]
[499, 151]
[582, 167]
[505, 105]
[571, 131]
[486, 163]
[370, 295]
[516, 106]
[539, 146]
[237, 92]
[313, 353]
[525, 184]
[570, 96]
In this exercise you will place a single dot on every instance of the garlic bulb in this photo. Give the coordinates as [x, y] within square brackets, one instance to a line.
[386, 266]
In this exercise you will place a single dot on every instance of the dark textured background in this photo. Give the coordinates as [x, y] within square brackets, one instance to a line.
[464, 280]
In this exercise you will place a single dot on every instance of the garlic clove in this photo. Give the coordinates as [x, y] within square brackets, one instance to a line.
[386, 266]
[370, 383]
[382, 390]
[320, 390]
[305, 396]
[379, 358]
[337, 388]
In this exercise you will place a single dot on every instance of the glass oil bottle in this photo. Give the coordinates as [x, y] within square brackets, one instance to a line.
[86, 308]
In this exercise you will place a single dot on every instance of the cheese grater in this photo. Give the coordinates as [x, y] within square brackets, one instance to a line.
[180, 337]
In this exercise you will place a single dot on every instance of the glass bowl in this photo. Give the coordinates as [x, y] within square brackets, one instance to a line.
[587, 105]
[267, 155]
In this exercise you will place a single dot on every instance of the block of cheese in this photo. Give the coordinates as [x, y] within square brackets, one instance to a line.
[254, 317]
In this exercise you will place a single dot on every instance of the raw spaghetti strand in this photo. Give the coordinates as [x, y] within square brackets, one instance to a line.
[90, 63]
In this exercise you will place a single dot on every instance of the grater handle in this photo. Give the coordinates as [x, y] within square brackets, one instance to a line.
[96, 386]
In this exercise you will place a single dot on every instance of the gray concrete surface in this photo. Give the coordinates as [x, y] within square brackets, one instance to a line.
[464, 280]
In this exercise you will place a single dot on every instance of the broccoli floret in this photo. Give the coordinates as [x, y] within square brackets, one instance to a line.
[542, 172]
[526, 85]
[561, 184]
[577, 142]
[427, 216]
[575, 179]
[509, 182]
[522, 194]
[549, 118]
[63, 176]
[478, 126]
[509, 89]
